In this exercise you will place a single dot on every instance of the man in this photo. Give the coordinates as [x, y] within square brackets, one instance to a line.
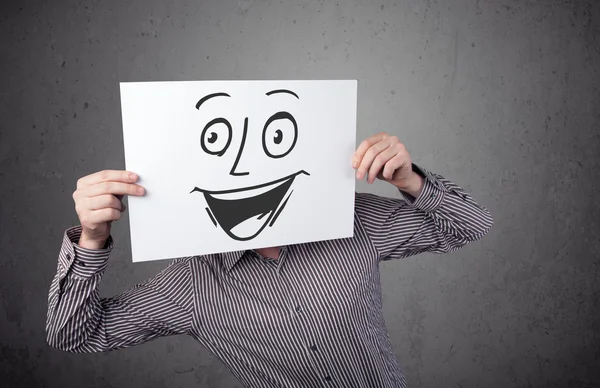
[305, 315]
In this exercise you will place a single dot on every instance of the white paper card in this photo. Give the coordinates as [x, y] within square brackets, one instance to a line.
[235, 165]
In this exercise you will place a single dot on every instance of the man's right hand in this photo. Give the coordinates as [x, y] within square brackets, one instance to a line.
[98, 202]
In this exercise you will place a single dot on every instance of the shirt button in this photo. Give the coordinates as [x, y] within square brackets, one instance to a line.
[327, 378]
[298, 309]
[313, 348]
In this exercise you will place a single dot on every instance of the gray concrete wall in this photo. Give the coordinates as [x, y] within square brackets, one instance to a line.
[500, 96]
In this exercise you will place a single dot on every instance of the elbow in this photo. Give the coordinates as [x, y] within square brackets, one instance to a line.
[52, 333]
[54, 341]
[479, 229]
[452, 242]
[487, 223]
[57, 340]
[482, 229]
[458, 242]
[54, 337]
[64, 347]
[478, 233]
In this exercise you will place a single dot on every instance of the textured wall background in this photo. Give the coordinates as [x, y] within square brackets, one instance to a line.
[500, 96]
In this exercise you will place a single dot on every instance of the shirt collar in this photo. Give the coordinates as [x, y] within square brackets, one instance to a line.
[230, 259]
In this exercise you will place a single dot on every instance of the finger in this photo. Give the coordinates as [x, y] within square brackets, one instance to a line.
[364, 146]
[114, 188]
[381, 160]
[369, 156]
[106, 176]
[401, 159]
[104, 201]
[103, 215]
[394, 164]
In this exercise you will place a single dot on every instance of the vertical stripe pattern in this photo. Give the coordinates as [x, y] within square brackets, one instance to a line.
[311, 318]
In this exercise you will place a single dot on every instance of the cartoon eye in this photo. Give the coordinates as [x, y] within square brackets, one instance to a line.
[216, 137]
[279, 135]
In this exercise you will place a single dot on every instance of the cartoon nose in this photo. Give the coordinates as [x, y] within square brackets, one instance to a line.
[239, 154]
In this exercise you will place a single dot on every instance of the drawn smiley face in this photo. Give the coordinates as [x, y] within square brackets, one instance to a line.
[244, 212]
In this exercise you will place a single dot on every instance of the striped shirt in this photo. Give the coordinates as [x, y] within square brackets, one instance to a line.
[311, 318]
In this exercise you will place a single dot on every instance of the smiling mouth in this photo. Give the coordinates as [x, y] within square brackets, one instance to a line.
[243, 213]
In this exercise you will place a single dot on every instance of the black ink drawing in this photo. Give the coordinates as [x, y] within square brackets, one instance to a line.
[259, 205]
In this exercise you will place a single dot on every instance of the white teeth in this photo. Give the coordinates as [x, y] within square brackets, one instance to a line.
[246, 193]
[250, 226]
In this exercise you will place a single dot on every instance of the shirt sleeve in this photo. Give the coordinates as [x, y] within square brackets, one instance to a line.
[442, 219]
[80, 321]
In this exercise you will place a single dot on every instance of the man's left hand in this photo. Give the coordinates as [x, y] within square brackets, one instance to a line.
[384, 157]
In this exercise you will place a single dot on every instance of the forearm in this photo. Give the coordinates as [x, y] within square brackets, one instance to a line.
[74, 315]
[452, 216]
[74, 308]
[461, 218]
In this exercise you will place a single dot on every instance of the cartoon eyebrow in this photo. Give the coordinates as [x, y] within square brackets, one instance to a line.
[205, 98]
[283, 91]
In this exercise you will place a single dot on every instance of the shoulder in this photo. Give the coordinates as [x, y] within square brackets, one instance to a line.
[182, 262]
[200, 264]
[180, 266]
[366, 204]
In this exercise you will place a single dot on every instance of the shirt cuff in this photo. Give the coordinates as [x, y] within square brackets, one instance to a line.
[83, 262]
[432, 194]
